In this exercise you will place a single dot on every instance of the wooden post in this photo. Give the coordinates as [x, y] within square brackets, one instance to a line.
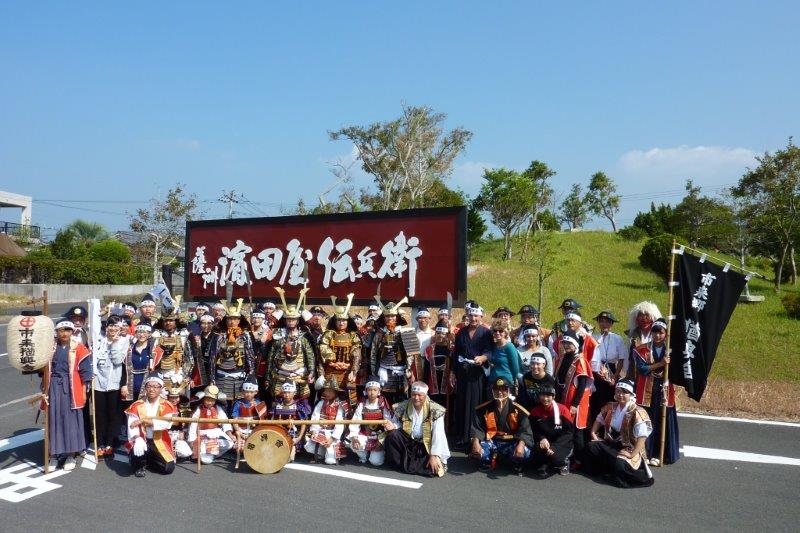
[46, 392]
[665, 392]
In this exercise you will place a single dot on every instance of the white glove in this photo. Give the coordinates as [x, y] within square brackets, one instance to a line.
[139, 447]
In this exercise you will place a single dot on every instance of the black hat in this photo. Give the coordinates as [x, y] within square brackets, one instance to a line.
[500, 382]
[76, 310]
[528, 309]
[502, 309]
[548, 390]
[606, 314]
[471, 304]
[569, 302]
[129, 304]
[203, 304]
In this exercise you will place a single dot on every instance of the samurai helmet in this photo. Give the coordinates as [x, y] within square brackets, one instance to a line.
[173, 313]
[339, 312]
[234, 310]
[292, 311]
[391, 308]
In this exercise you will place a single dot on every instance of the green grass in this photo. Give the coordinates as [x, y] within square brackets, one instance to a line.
[602, 271]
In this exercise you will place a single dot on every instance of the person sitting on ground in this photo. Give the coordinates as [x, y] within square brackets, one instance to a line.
[552, 427]
[416, 441]
[620, 453]
[365, 438]
[210, 440]
[325, 439]
[177, 431]
[501, 428]
[532, 381]
[149, 442]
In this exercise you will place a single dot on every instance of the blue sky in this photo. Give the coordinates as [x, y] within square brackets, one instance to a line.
[117, 102]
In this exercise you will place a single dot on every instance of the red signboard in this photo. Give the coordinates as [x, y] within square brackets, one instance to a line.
[418, 253]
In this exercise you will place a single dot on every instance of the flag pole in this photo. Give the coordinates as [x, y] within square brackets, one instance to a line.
[46, 393]
[665, 386]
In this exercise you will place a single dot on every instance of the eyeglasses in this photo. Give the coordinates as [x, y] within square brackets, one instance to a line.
[498, 331]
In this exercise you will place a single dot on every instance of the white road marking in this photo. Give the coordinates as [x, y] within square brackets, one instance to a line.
[88, 460]
[352, 475]
[3, 354]
[12, 402]
[746, 420]
[26, 480]
[21, 440]
[730, 455]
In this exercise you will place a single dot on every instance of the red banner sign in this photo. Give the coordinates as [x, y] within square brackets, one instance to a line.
[419, 253]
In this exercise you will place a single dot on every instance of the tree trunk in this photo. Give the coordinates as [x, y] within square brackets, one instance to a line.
[527, 236]
[541, 291]
[794, 265]
[507, 245]
[613, 224]
[741, 264]
[779, 275]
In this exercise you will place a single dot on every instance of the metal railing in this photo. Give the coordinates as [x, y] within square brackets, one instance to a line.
[21, 230]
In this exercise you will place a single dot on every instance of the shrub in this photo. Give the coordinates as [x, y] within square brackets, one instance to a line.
[43, 270]
[632, 233]
[110, 250]
[791, 302]
[656, 254]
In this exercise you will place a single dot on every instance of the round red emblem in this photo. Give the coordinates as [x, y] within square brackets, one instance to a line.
[27, 322]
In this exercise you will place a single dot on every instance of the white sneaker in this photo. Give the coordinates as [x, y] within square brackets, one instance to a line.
[655, 462]
[330, 461]
[70, 464]
[53, 464]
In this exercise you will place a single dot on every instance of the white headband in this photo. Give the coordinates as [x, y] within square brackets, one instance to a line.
[257, 314]
[476, 311]
[573, 316]
[155, 378]
[423, 314]
[571, 340]
[249, 387]
[206, 318]
[530, 331]
[144, 327]
[444, 311]
[442, 329]
[419, 387]
[65, 324]
[289, 386]
[538, 359]
[625, 386]
[373, 307]
[369, 384]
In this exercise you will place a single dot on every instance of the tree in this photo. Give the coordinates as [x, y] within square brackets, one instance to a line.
[507, 196]
[538, 173]
[87, 232]
[602, 198]
[110, 250]
[162, 223]
[573, 210]
[657, 221]
[546, 260]
[67, 245]
[701, 220]
[772, 195]
[405, 156]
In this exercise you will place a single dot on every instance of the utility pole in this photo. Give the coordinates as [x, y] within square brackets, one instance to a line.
[230, 197]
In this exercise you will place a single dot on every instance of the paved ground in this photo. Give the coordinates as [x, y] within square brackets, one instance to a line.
[694, 494]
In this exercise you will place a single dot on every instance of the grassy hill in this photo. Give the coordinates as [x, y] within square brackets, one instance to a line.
[759, 350]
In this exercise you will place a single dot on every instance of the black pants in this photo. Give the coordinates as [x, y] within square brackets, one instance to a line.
[409, 454]
[108, 413]
[152, 459]
[579, 444]
[601, 458]
[562, 446]
[604, 393]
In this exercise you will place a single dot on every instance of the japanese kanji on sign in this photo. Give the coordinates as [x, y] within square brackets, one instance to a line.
[419, 253]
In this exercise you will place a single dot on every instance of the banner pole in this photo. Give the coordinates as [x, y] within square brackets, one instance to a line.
[46, 392]
[665, 392]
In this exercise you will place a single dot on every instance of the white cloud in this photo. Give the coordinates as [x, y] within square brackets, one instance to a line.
[705, 165]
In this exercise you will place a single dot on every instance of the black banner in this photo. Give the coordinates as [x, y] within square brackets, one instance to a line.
[705, 298]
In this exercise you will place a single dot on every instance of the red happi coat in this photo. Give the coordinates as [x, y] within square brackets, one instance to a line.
[579, 367]
[644, 383]
[76, 354]
[161, 438]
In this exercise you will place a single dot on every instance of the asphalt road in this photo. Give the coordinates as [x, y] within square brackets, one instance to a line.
[694, 494]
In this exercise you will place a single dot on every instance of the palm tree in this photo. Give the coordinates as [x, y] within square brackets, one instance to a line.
[87, 232]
